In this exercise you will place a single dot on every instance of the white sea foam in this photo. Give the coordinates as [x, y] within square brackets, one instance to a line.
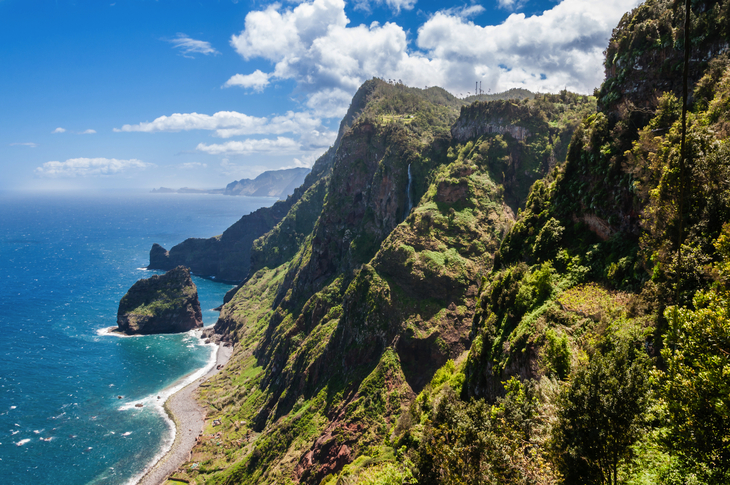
[13, 407]
[22, 442]
[156, 403]
[127, 433]
[109, 332]
[164, 395]
[15, 432]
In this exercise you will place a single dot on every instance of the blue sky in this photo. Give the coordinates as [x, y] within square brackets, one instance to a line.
[175, 93]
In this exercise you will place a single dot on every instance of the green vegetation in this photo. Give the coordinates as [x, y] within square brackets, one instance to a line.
[536, 317]
[695, 386]
[602, 414]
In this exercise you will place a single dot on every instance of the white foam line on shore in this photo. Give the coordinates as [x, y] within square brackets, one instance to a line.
[158, 406]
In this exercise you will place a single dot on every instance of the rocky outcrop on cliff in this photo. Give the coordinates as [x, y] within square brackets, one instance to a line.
[474, 128]
[165, 303]
[644, 57]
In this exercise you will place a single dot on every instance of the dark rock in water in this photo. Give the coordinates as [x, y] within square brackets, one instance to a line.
[161, 304]
[158, 257]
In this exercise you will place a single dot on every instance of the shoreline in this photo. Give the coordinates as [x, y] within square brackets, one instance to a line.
[188, 419]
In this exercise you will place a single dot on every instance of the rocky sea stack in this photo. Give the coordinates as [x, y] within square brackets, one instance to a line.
[161, 304]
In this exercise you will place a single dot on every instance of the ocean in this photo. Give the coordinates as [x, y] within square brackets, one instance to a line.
[67, 392]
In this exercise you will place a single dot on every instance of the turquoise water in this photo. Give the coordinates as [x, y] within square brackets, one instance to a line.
[65, 262]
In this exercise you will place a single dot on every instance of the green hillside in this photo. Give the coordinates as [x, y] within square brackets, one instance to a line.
[499, 291]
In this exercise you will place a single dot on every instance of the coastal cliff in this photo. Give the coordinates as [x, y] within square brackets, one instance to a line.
[165, 303]
[380, 283]
[472, 282]
[225, 257]
[228, 257]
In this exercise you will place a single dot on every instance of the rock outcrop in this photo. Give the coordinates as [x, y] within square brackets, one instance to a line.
[161, 304]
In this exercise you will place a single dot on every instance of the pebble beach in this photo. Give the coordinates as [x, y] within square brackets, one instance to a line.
[189, 419]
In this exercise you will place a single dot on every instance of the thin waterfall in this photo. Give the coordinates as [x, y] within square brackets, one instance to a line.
[409, 205]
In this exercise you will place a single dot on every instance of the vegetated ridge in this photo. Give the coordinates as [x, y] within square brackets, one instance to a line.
[536, 316]
[370, 292]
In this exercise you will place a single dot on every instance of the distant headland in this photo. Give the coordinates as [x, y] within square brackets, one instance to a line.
[272, 183]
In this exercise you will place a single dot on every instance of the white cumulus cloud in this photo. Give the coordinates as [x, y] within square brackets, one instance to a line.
[257, 81]
[563, 47]
[189, 46]
[59, 130]
[280, 145]
[87, 132]
[226, 124]
[88, 167]
[196, 121]
[305, 162]
[313, 44]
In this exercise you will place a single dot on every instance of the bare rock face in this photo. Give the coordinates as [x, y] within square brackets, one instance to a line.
[161, 304]
[494, 117]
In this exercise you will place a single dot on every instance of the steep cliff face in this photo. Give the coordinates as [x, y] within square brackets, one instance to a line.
[225, 257]
[229, 257]
[645, 55]
[522, 140]
[347, 315]
[165, 303]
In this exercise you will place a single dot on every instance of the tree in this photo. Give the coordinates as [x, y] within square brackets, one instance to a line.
[474, 443]
[602, 413]
[697, 382]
